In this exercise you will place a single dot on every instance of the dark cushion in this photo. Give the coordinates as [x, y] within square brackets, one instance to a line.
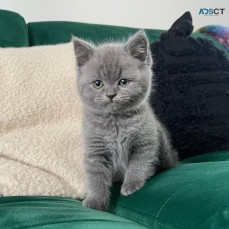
[194, 195]
[42, 33]
[13, 29]
[191, 89]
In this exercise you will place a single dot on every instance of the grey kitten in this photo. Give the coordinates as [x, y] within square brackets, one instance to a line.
[124, 141]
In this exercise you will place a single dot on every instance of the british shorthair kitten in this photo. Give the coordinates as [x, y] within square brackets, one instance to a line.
[124, 140]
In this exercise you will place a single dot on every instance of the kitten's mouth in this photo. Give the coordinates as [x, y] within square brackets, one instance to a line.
[113, 104]
[111, 101]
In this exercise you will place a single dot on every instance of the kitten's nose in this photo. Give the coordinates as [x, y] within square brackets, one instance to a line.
[111, 96]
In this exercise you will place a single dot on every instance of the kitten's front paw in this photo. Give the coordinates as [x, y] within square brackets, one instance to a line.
[98, 204]
[131, 186]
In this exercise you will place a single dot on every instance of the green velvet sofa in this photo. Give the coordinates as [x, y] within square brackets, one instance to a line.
[194, 195]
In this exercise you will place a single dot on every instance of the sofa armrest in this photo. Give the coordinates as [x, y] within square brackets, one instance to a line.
[14, 32]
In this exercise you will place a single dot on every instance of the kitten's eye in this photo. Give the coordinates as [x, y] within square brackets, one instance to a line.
[97, 84]
[123, 82]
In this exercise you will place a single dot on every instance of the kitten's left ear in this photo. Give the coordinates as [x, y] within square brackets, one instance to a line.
[138, 46]
[83, 50]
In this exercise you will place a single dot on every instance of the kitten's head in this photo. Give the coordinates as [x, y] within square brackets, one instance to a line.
[113, 77]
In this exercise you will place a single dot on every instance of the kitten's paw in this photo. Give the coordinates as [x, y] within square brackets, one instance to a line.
[98, 204]
[131, 186]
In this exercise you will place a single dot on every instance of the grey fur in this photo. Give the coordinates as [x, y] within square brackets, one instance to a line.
[124, 141]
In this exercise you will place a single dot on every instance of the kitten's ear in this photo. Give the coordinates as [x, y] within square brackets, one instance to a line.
[83, 50]
[138, 46]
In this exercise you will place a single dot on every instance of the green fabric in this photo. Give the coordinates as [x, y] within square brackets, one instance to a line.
[209, 157]
[41, 33]
[13, 29]
[45, 33]
[56, 213]
[193, 195]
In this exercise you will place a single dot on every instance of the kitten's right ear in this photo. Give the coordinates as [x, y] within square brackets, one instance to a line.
[138, 46]
[83, 50]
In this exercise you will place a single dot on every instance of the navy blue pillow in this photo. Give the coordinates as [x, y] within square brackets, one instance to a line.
[191, 90]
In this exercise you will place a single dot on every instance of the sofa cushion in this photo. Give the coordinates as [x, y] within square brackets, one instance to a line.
[192, 195]
[191, 84]
[56, 213]
[13, 29]
[41, 146]
[41, 33]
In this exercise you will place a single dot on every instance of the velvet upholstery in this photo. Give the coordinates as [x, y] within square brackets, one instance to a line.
[194, 195]
[56, 213]
[14, 31]
[41, 33]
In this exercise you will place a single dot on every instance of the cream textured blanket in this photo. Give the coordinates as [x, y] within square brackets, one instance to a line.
[41, 150]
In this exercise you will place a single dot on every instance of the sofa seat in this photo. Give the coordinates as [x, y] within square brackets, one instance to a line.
[56, 213]
[192, 195]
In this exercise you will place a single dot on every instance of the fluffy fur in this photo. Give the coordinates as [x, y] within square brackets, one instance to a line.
[124, 141]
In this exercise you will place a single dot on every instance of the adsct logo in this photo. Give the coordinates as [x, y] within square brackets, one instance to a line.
[211, 11]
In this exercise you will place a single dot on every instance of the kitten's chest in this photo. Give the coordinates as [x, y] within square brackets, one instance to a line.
[117, 139]
[116, 135]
